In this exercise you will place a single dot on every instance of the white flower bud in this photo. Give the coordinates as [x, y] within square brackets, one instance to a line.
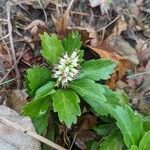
[66, 70]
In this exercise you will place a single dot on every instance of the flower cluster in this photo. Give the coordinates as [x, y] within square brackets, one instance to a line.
[67, 69]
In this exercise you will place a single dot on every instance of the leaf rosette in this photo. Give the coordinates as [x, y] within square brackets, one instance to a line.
[69, 79]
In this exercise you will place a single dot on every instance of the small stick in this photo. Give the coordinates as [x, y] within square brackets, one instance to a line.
[68, 8]
[30, 133]
[13, 65]
[6, 82]
[45, 15]
[138, 74]
[4, 37]
[7, 35]
[109, 24]
[8, 7]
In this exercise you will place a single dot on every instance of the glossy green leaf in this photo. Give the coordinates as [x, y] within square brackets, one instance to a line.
[66, 103]
[103, 129]
[37, 77]
[130, 123]
[113, 141]
[52, 48]
[123, 97]
[92, 145]
[45, 90]
[37, 108]
[97, 69]
[145, 142]
[146, 123]
[72, 42]
[93, 94]
[41, 123]
[133, 147]
[111, 96]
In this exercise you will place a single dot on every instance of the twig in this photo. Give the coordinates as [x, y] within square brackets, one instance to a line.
[7, 35]
[4, 37]
[45, 15]
[7, 81]
[77, 13]
[26, 63]
[8, 51]
[69, 7]
[3, 20]
[74, 138]
[138, 74]
[13, 65]
[109, 24]
[83, 14]
[30, 133]
[8, 7]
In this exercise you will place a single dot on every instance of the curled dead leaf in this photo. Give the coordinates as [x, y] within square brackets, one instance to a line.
[144, 55]
[115, 43]
[62, 20]
[120, 26]
[16, 100]
[37, 27]
[88, 34]
[84, 136]
[82, 130]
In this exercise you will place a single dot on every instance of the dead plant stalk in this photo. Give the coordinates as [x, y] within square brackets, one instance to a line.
[8, 8]
[30, 133]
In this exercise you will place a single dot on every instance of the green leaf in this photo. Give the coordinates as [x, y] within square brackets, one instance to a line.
[111, 96]
[118, 97]
[130, 124]
[133, 147]
[92, 145]
[37, 107]
[81, 54]
[51, 131]
[65, 102]
[145, 142]
[103, 129]
[45, 90]
[37, 77]
[146, 123]
[97, 69]
[52, 48]
[92, 93]
[112, 142]
[41, 123]
[72, 42]
[123, 97]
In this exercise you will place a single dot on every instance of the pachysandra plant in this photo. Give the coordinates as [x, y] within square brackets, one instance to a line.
[67, 80]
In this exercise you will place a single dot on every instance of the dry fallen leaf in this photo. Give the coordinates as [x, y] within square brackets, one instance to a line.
[82, 130]
[62, 20]
[36, 4]
[4, 56]
[120, 26]
[144, 55]
[115, 43]
[84, 136]
[88, 34]
[16, 100]
[37, 27]
[95, 3]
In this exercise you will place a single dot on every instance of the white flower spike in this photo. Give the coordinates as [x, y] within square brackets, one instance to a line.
[67, 69]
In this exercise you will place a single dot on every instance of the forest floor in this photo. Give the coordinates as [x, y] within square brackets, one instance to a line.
[116, 29]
